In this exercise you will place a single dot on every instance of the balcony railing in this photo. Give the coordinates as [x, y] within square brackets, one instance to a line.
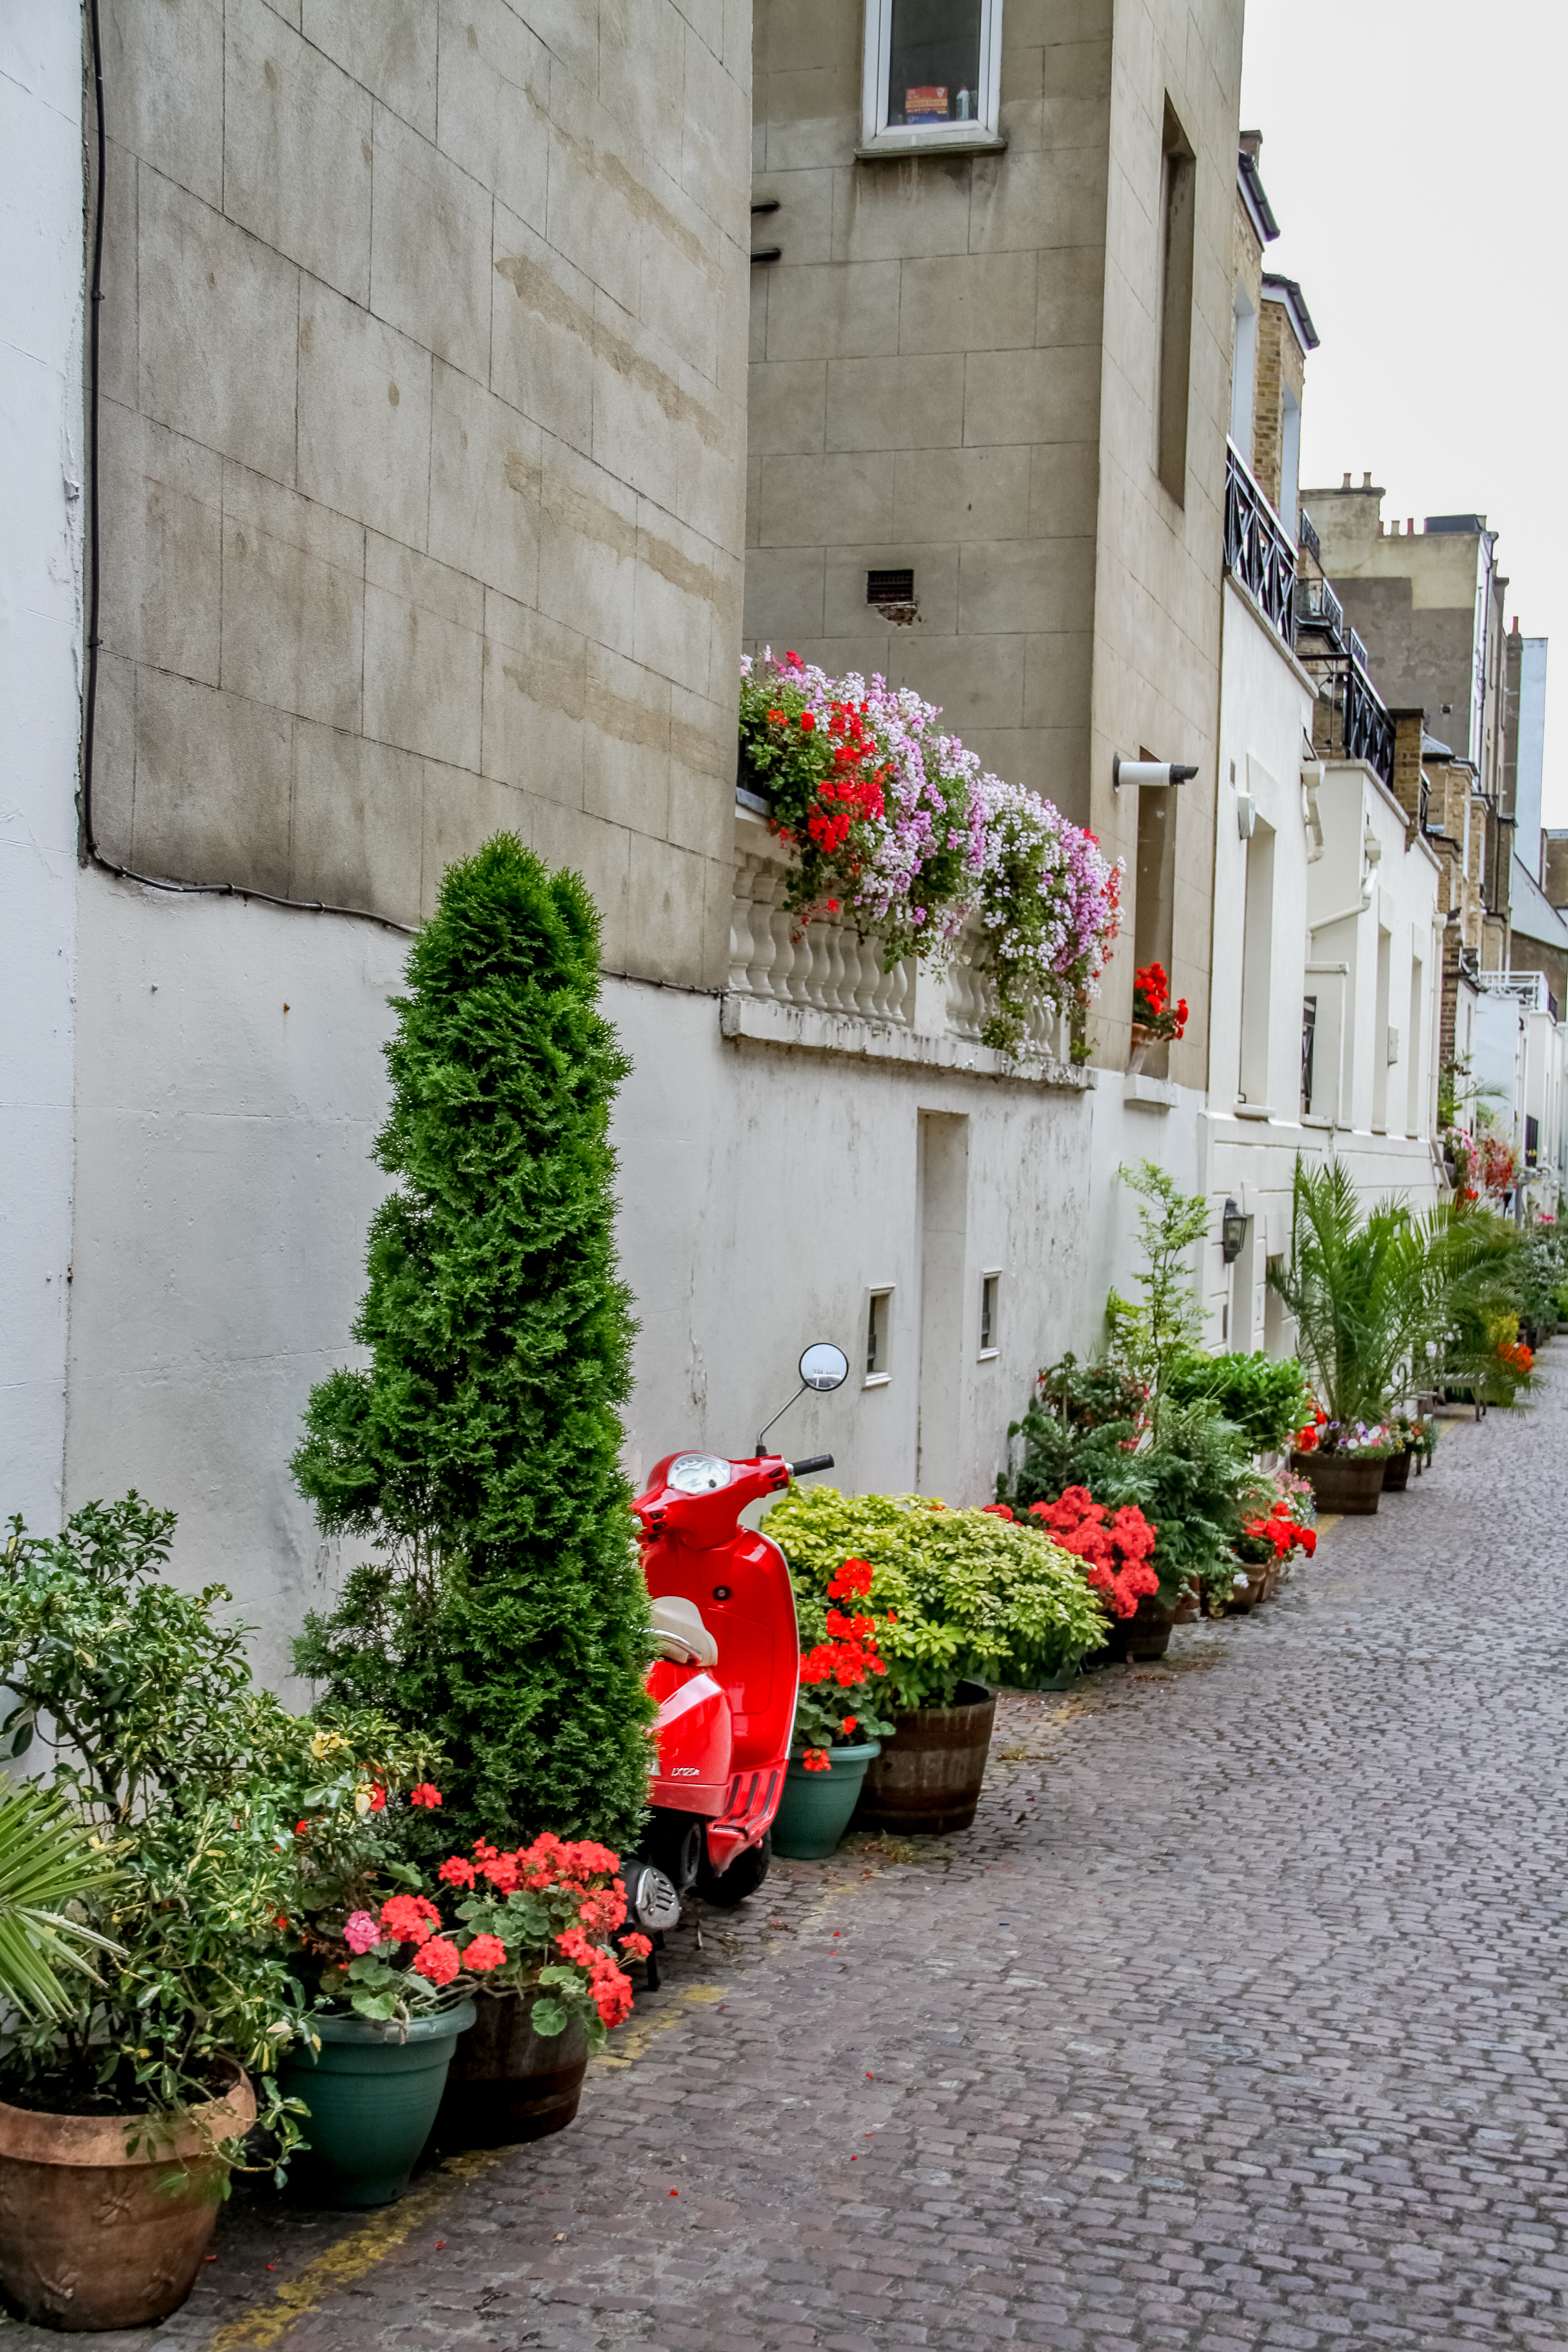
[1367, 729]
[1318, 607]
[1258, 548]
[822, 967]
[1307, 537]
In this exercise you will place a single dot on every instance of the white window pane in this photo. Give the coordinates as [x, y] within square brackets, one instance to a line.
[934, 67]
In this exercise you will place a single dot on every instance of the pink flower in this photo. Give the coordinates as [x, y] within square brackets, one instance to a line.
[362, 1933]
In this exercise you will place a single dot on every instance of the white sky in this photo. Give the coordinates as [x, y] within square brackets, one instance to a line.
[1412, 153]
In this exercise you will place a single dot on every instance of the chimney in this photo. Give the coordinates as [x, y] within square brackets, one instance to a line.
[1410, 525]
[1366, 481]
[1252, 144]
[1346, 483]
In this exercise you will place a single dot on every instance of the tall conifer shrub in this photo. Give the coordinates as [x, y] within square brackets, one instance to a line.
[505, 1614]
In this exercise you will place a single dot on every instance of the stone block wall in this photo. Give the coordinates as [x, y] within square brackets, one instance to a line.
[1281, 362]
[422, 429]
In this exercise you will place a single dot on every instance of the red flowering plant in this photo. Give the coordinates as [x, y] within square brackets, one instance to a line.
[1115, 1546]
[538, 1921]
[812, 755]
[1274, 1535]
[1153, 1010]
[840, 1665]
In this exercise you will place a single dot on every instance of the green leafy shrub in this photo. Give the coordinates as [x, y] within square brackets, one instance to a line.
[1265, 1397]
[190, 1783]
[967, 1595]
[479, 1451]
[1087, 1396]
[1194, 1482]
[1150, 1341]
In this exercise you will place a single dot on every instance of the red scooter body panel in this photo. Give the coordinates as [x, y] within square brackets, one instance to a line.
[695, 1548]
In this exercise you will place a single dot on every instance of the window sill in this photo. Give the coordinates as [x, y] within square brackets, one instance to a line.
[876, 1380]
[898, 144]
[1252, 1110]
[1149, 1094]
[987, 1355]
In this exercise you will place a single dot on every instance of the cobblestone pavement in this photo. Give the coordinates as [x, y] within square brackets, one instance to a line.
[1236, 2020]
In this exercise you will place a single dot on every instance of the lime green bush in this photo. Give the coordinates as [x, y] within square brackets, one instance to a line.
[970, 1595]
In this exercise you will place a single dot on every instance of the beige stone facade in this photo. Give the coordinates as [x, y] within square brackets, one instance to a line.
[1281, 371]
[956, 371]
[423, 423]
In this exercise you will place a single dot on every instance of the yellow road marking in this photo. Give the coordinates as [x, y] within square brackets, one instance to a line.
[353, 2256]
[633, 2037]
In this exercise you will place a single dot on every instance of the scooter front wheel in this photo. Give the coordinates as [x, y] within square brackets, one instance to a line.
[724, 1888]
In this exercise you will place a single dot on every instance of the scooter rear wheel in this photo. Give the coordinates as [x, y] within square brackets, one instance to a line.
[724, 1888]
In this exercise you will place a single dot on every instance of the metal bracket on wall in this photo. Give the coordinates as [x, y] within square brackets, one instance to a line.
[765, 252]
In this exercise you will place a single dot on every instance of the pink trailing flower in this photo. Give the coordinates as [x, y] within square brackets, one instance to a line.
[362, 1933]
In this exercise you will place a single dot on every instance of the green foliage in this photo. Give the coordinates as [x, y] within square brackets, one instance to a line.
[1194, 1481]
[1537, 1273]
[479, 1451]
[1087, 1396]
[972, 1596]
[49, 1865]
[1263, 1396]
[168, 1764]
[1150, 1340]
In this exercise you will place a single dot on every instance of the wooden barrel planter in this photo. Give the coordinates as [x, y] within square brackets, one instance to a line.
[1146, 1634]
[1349, 1484]
[926, 1779]
[507, 2083]
[1396, 1472]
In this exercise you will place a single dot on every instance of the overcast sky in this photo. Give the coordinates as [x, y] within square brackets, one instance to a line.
[1412, 151]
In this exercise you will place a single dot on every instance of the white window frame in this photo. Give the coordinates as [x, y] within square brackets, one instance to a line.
[901, 137]
[884, 1291]
[988, 1275]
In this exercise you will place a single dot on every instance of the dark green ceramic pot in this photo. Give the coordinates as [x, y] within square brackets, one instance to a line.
[813, 1811]
[373, 2100]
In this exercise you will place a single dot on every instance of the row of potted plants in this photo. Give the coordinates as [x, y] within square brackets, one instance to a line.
[223, 1946]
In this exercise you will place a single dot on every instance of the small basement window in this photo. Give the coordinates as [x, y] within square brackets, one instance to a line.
[878, 1319]
[892, 593]
[990, 1328]
[932, 72]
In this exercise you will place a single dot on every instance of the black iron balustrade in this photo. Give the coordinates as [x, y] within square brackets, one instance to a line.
[1358, 651]
[1257, 550]
[1307, 537]
[1318, 607]
[1366, 730]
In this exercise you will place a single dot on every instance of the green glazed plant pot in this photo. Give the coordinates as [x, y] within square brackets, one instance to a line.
[813, 1811]
[372, 2100]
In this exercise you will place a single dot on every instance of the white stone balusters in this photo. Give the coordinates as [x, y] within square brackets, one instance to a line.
[747, 870]
[767, 886]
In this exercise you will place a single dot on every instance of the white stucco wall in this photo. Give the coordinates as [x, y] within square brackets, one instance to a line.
[231, 1084]
[40, 685]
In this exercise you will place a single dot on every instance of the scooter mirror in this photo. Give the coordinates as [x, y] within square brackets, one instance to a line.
[824, 1366]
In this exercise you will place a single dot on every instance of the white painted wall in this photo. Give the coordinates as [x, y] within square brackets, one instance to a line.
[40, 684]
[231, 1084]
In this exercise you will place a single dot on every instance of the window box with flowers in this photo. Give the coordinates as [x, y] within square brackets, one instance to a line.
[896, 830]
[1156, 1020]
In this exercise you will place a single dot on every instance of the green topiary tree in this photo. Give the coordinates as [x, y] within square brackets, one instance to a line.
[506, 1613]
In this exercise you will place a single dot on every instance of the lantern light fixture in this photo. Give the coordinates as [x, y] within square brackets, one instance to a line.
[1232, 1233]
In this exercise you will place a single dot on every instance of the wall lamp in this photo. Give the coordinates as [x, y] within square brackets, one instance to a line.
[1232, 1233]
[1151, 773]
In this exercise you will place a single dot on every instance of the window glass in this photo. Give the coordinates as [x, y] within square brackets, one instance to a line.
[933, 66]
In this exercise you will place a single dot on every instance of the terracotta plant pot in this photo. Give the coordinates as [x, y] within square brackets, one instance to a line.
[1145, 1635]
[1245, 1598]
[1396, 1472]
[373, 2099]
[926, 1779]
[813, 1811]
[1188, 1607]
[1138, 1049]
[1343, 1483]
[88, 2237]
[507, 2083]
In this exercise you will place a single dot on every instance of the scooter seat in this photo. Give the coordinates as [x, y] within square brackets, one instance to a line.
[678, 1633]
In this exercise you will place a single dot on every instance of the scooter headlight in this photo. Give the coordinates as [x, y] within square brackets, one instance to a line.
[699, 1474]
[651, 1900]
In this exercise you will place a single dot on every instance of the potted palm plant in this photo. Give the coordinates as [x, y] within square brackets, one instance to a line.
[1368, 1289]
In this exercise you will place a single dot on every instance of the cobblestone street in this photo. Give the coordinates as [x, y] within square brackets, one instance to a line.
[1236, 2020]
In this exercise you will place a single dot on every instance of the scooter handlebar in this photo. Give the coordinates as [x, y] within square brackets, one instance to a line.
[812, 1462]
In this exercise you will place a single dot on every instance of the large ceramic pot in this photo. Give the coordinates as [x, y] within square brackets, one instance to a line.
[373, 2099]
[1346, 1483]
[509, 2083]
[1143, 1636]
[1396, 1472]
[89, 2239]
[813, 1811]
[928, 1776]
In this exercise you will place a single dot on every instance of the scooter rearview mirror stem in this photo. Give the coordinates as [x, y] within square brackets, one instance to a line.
[780, 1415]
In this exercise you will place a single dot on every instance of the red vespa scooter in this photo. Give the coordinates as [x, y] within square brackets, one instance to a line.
[725, 1672]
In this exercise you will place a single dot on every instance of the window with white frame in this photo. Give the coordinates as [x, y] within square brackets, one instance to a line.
[932, 72]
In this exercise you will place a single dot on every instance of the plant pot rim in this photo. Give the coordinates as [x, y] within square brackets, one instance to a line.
[956, 1705]
[441, 2027]
[39, 2136]
[858, 1751]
